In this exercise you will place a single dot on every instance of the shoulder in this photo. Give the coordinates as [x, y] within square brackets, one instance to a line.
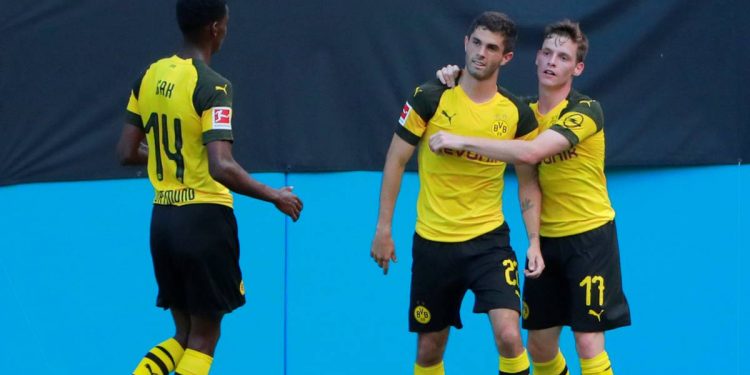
[585, 105]
[208, 76]
[522, 103]
[526, 119]
[211, 89]
[426, 98]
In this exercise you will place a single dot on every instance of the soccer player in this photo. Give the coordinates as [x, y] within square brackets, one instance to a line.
[462, 239]
[581, 286]
[184, 110]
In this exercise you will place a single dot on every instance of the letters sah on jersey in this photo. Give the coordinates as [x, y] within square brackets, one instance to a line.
[222, 118]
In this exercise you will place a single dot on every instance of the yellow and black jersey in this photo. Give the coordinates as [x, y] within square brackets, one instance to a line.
[181, 105]
[460, 195]
[574, 188]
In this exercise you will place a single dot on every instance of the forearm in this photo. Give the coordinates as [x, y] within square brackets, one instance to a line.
[509, 151]
[236, 179]
[137, 157]
[389, 190]
[530, 197]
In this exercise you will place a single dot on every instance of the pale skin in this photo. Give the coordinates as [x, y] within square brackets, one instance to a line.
[557, 65]
[484, 57]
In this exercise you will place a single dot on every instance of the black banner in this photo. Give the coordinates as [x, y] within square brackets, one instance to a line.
[319, 85]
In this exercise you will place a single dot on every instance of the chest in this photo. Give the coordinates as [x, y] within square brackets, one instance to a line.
[496, 119]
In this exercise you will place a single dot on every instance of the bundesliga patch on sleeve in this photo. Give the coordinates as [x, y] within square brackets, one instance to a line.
[222, 118]
[404, 114]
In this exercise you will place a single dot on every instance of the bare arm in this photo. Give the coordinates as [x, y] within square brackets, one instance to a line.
[548, 143]
[130, 149]
[530, 197]
[228, 172]
[383, 249]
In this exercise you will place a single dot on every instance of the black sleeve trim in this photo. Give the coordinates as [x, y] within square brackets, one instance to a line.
[217, 135]
[526, 120]
[211, 90]
[133, 119]
[407, 136]
[567, 133]
[585, 106]
[137, 85]
[426, 99]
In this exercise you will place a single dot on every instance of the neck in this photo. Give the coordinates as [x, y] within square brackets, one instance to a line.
[550, 97]
[191, 50]
[478, 91]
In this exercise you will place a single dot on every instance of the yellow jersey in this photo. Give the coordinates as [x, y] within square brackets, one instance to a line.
[181, 105]
[460, 195]
[574, 188]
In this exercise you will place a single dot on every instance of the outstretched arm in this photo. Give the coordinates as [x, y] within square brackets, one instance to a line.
[228, 172]
[383, 249]
[546, 144]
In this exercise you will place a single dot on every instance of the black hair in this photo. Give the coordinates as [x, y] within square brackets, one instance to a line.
[497, 22]
[194, 14]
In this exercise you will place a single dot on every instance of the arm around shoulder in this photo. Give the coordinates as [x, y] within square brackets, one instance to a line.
[546, 144]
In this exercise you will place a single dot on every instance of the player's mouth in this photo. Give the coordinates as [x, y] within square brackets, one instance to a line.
[479, 65]
[549, 73]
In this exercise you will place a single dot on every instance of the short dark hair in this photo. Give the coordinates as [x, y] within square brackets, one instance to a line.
[573, 31]
[497, 22]
[194, 14]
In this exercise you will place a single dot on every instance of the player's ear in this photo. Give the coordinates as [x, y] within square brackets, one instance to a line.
[578, 69]
[506, 58]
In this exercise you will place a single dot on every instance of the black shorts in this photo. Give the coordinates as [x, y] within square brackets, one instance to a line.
[581, 285]
[442, 272]
[196, 253]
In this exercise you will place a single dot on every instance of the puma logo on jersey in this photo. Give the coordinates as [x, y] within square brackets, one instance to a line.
[587, 102]
[598, 316]
[450, 117]
[222, 88]
[417, 91]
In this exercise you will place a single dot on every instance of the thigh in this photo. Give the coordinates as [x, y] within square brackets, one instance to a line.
[598, 302]
[546, 298]
[205, 254]
[492, 271]
[436, 288]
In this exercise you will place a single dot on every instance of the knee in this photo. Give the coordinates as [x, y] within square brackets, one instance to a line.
[508, 339]
[589, 344]
[430, 351]
[508, 335]
[541, 350]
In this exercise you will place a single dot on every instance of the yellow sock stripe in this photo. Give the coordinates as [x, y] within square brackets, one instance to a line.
[514, 365]
[598, 365]
[174, 350]
[556, 366]
[194, 363]
[438, 369]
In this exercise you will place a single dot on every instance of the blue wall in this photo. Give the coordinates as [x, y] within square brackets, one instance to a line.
[77, 287]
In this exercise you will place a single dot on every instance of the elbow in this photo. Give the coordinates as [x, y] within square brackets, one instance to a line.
[126, 158]
[530, 157]
[220, 172]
